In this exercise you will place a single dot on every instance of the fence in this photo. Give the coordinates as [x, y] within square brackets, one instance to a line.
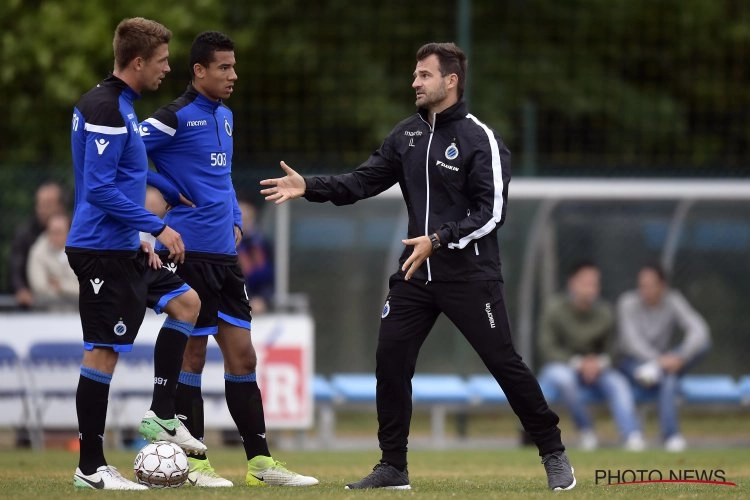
[341, 257]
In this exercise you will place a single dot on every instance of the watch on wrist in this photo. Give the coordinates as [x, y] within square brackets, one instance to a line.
[435, 242]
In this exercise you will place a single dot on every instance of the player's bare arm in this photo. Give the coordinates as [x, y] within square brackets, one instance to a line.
[284, 188]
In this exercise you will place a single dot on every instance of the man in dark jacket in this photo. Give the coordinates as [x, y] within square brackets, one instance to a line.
[453, 172]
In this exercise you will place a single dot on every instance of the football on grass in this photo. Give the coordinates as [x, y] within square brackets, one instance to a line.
[161, 465]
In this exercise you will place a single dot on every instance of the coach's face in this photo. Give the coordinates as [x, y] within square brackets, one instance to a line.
[154, 69]
[435, 92]
[217, 80]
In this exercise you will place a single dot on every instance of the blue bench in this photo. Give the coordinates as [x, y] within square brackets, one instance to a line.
[715, 389]
[484, 389]
[357, 388]
[440, 394]
[744, 388]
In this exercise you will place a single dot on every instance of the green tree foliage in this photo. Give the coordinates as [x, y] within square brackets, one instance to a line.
[53, 51]
[624, 84]
[619, 84]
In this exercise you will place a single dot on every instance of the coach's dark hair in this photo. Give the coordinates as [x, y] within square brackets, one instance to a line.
[657, 269]
[204, 46]
[452, 60]
[137, 37]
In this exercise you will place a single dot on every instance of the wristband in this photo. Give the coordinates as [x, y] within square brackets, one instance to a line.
[156, 234]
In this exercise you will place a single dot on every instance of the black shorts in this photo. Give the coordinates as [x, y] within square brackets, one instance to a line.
[220, 285]
[114, 294]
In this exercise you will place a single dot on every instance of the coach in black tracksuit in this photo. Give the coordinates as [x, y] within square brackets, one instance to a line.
[454, 173]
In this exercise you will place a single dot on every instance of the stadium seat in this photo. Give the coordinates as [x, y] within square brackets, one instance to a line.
[744, 388]
[53, 370]
[15, 402]
[709, 389]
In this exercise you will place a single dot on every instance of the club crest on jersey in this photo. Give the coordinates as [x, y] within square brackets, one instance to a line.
[386, 309]
[451, 152]
[227, 127]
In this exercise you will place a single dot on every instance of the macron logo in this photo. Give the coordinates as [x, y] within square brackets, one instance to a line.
[96, 283]
[101, 145]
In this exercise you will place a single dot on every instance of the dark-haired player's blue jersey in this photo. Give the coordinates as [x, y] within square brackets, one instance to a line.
[190, 143]
[110, 168]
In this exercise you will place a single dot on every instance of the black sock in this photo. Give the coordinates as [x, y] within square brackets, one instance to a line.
[168, 351]
[91, 406]
[189, 404]
[246, 407]
[396, 459]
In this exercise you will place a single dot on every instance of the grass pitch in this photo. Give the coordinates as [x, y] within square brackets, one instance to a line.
[503, 473]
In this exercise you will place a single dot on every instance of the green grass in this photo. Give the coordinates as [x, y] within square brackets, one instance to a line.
[504, 473]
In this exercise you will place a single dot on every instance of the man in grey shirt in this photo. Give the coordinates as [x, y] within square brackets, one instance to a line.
[647, 319]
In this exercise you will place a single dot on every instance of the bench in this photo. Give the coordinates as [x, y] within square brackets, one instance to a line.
[442, 393]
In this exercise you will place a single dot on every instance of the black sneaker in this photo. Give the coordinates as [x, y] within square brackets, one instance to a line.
[385, 476]
[559, 471]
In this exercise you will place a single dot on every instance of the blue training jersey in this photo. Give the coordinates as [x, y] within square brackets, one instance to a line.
[190, 143]
[110, 167]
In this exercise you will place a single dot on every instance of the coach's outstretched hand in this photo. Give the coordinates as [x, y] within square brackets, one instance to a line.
[284, 188]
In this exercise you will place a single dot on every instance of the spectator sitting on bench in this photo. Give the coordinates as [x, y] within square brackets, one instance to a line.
[647, 318]
[577, 336]
[51, 279]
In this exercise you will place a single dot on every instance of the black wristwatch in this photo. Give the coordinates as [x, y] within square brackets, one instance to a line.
[435, 242]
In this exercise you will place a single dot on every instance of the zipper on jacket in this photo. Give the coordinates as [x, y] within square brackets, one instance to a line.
[218, 135]
[427, 182]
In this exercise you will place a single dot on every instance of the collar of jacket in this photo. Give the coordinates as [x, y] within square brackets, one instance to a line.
[113, 81]
[455, 112]
[200, 100]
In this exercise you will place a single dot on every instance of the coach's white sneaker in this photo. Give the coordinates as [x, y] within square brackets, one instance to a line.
[154, 428]
[106, 477]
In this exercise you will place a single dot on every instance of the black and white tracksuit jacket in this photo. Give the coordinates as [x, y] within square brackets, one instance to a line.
[454, 176]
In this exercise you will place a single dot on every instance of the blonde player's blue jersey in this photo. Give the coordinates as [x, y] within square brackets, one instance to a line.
[110, 168]
[190, 143]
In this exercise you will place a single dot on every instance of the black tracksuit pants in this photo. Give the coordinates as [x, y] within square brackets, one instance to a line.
[477, 308]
